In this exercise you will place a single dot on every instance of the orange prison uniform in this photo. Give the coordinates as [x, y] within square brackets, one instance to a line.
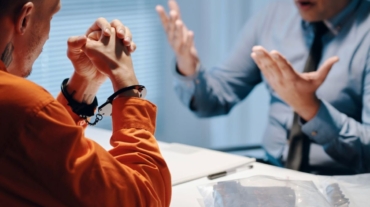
[45, 159]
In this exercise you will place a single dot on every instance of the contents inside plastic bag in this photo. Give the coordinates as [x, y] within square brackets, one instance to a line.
[263, 191]
[346, 191]
[335, 196]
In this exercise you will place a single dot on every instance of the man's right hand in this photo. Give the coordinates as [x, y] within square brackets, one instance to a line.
[180, 38]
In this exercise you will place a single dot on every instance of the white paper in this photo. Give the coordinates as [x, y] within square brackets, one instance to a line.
[188, 163]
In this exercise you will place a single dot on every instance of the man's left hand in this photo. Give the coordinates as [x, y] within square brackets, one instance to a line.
[297, 89]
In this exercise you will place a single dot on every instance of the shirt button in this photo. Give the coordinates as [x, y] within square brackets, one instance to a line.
[197, 81]
[314, 133]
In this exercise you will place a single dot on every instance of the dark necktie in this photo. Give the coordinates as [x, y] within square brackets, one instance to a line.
[299, 143]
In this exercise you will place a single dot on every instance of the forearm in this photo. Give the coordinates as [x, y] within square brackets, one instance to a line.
[196, 93]
[135, 173]
[214, 92]
[133, 140]
[343, 138]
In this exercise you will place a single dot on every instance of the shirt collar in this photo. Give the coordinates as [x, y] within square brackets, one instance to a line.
[335, 23]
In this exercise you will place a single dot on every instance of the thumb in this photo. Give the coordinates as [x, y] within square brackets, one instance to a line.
[76, 43]
[324, 70]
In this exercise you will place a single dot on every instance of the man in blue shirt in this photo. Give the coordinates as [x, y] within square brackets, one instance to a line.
[333, 103]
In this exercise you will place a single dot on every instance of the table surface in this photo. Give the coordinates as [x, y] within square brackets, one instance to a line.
[187, 194]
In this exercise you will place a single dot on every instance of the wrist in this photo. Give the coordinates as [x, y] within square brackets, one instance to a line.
[122, 78]
[308, 110]
[83, 110]
[82, 88]
[187, 66]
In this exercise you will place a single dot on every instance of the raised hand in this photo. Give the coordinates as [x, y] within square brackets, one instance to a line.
[297, 89]
[180, 38]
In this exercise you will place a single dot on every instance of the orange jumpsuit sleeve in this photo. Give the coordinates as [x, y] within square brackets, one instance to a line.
[71, 170]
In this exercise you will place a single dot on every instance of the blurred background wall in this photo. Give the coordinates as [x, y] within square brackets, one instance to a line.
[216, 24]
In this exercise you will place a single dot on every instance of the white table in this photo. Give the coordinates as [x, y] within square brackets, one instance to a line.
[187, 194]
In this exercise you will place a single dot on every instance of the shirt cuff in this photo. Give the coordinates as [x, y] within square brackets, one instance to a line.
[325, 126]
[185, 85]
[132, 112]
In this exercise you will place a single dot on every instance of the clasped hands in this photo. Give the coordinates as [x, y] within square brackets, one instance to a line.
[297, 89]
[103, 52]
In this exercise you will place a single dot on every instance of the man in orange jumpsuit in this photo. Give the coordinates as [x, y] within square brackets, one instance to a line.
[45, 158]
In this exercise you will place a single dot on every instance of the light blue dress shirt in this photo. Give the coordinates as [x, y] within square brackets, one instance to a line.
[340, 131]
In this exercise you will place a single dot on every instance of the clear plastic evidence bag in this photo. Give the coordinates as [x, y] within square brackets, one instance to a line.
[262, 191]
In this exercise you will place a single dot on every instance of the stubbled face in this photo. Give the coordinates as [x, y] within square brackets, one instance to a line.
[318, 10]
[27, 47]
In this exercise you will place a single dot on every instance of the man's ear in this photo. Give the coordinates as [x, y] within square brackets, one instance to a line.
[23, 18]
